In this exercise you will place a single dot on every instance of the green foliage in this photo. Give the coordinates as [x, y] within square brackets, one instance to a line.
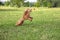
[26, 4]
[49, 3]
[1, 4]
[17, 2]
[44, 3]
[7, 3]
[37, 4]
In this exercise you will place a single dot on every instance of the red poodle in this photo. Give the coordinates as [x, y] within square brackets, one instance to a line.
[26, 16]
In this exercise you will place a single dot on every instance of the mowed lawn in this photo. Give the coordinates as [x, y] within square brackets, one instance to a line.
[45, 24]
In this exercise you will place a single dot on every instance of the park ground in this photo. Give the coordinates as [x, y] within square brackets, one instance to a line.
[45, 24]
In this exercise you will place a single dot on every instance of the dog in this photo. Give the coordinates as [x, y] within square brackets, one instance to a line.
[26, 16]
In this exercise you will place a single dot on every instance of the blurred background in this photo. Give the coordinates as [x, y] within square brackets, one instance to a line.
[30, 3]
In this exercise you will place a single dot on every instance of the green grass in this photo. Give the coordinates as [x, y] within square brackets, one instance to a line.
[45, 24]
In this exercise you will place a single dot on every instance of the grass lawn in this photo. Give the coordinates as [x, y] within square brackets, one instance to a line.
[45, 24]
